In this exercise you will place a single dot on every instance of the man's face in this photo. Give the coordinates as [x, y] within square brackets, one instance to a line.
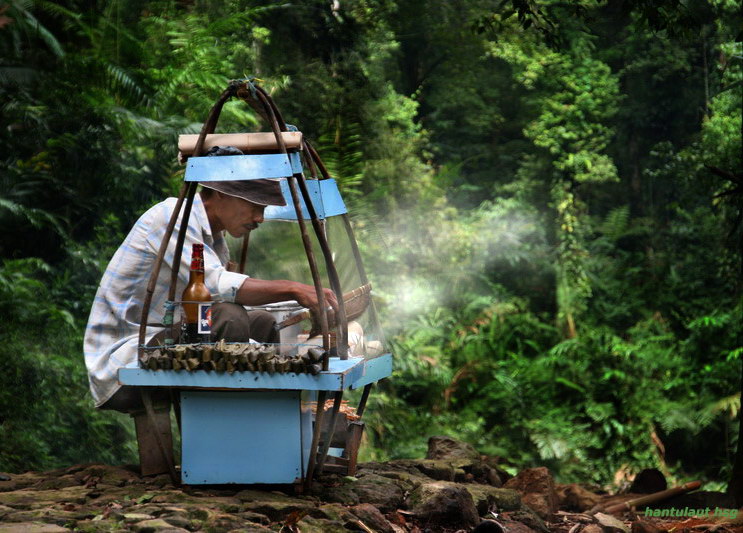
[238, 216]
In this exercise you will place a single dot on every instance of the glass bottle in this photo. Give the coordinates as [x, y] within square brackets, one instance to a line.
[197, 314]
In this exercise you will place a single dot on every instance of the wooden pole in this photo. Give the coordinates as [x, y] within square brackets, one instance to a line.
[331, 430]
[207, 128]
[650, 498]
[244, 253]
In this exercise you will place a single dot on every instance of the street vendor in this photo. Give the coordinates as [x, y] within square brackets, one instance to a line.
[112, 333]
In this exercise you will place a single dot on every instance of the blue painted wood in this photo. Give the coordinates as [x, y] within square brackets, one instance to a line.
[242, 167]
[340, 376]
[336, 452]
[242, 437]
[309, 400]
[325, 196]
[374, 370]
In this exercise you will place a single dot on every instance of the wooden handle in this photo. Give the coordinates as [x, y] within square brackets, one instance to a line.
[247, 142]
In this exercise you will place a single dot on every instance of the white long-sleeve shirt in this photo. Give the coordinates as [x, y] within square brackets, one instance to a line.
[112, 334]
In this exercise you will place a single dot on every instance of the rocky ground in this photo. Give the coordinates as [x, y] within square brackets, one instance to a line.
[454, 489]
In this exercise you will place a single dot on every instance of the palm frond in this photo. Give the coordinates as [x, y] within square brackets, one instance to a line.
[38, 218]
[30, 22]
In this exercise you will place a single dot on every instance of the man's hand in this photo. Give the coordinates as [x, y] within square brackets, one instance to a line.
[259, 292]
[306, 296]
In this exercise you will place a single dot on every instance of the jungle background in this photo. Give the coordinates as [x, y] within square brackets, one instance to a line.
[547, 196]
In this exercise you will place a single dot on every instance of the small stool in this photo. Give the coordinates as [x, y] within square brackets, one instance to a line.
[152, 432]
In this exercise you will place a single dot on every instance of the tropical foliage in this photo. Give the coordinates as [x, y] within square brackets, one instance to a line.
[548, 196]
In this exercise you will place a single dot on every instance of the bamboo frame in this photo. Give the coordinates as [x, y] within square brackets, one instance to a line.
[244, 253]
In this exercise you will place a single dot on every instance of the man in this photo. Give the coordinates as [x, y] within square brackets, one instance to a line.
[111, 337]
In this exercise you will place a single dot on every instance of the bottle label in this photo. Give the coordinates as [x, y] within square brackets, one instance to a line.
[197, 257]
[205, 318]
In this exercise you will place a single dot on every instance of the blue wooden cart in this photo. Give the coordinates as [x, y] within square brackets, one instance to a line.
[250, 426]
[253, 427]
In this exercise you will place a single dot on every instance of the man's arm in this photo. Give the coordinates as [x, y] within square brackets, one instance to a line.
[259, 292]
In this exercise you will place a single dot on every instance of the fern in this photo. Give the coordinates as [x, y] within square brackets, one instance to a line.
[20, 11]
[38, 218]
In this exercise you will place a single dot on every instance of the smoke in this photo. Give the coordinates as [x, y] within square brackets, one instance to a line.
[418, 259]
[424, 260]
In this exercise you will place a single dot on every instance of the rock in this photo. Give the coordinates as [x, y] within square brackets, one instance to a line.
[136, 517]
[252, 528]
[443, 447]
[335, 512]
[372, 517]
[117, 476]
[489, 498]
[222, 522]
[31, 527]
[443, 503]
[77, 468]
[21, 481]
[378, 491]
[57, 483]
[256, 518]
[127, 496]
[648, 481]
[275, 506]
[517, 527]
[529, 518]
[492, 477]
[178, 520]
[156, 525]
[537, 490]
[406, 481]
[439, 470]
[180, 497]
[251, 495]
[309, 524]
[98, 526]
[483, 473]
[573, 497]
[339, 494]
[611, 524]
[27, 498]
[489, 526]
[148, 509]
[4, 510]
[406, 472]
[511, 526]
[493, 462]
[200, 514]
[646, 527]
[46, 515]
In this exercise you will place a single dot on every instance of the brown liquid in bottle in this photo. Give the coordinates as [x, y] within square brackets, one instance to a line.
[197, 319]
